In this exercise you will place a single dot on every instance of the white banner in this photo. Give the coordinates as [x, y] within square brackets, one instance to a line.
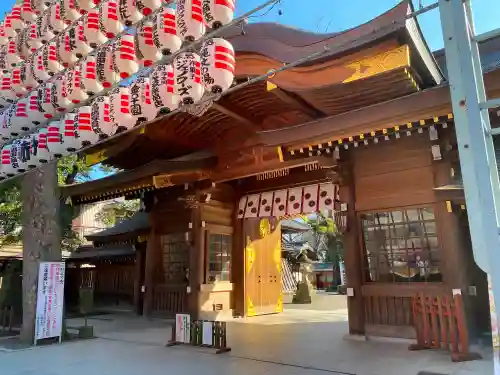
[208, 337]
[183, 328]
[50, 300]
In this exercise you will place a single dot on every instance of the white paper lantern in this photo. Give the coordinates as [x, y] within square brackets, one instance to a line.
[147, 7]
[165, 32]
[20, 154]
[60, 98]
[13, 52]
[47, 62]
[101, 116]
[25, 48]
[218, 12]
[187, 75]
[33, 38]
[86, 5]
[9, 166]
[106, 73]
[4, 38]
[43, 29]
[124, 58]
[39, 153]
[3, 104]
[8, 26]
[55, 141]
[44, 93]
[21, 122]
[36, 113]
[71, 137]
[27, 12]
[6, 88]
[95, 37]
[76, 93]
[129, 13]
[56, 20]
[17, 83]
[217, 65]
[16, 18]
[119, 109]
[66, 55]
[141, 104]
[3, 62]
[69, 11]
[146, 50]
[4, 130]
[10, 115]
[28, 73]
[109, 21]
[78, 42]
[163, 94]
[89, 83]
[190, 22]
[87, 135]
[41, 5]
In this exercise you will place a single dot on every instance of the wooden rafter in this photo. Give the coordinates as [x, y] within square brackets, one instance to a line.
[241, 119]
[297, 103]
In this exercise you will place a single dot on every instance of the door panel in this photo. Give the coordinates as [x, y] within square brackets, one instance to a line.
[263, 266]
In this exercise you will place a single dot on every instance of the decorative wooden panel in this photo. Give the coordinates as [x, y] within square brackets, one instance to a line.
[394, 173]
[262, 266]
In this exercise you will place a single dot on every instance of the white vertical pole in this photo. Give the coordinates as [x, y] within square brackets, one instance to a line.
[472, 125]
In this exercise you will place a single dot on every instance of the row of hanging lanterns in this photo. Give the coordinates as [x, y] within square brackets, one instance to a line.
[183, 82]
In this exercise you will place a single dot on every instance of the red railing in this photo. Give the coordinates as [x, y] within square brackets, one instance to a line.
[440, 323]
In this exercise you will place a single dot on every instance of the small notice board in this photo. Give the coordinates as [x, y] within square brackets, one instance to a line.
[50, 301]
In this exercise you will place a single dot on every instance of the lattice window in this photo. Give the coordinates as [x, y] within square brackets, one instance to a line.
[401, 246]
[175, 251]
[219, 257]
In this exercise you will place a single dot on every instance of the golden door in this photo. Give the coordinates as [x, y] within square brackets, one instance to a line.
[263, 266]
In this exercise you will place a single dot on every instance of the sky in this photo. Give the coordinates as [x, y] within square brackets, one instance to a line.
[338, 15]
[323, 16]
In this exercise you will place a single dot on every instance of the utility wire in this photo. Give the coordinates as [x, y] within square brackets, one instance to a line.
[271, 73]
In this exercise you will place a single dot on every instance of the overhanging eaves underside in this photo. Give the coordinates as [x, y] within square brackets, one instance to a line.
[130, 183]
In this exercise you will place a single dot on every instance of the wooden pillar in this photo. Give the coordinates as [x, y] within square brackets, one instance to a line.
[196, 261]
[138, 272]
[353, 259]
[149, 273]
[238, 267]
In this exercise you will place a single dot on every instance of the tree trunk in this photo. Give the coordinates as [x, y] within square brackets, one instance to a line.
[41, 236]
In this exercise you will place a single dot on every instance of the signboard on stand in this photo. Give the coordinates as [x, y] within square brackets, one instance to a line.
[183, 328]
[50, 301]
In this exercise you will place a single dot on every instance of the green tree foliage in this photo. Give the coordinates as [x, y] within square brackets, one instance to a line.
[70, 170]
[116, 212]
[328, 240]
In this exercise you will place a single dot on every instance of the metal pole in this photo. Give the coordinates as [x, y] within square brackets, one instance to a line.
[475, 143]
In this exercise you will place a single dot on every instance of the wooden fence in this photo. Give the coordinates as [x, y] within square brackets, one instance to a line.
[440, 324]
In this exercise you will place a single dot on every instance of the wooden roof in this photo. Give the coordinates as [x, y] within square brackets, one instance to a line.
[380, 60]
[156, 174]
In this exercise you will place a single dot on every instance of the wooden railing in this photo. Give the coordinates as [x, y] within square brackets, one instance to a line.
[440, 324]
[169, 300]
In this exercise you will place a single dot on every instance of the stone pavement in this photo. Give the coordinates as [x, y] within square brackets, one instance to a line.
[298, 342]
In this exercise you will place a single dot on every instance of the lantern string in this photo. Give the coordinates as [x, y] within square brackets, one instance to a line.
[165, 60]
[262, 77]
[326, 50]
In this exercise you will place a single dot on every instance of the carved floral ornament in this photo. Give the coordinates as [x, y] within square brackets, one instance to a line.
[293, 201]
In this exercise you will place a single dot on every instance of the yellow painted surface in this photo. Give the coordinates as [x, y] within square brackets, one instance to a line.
[380, 63]
[95, 158]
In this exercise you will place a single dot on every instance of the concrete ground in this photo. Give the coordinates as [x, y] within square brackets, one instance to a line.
[304, 340]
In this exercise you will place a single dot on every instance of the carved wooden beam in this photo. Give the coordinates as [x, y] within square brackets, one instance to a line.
[297, 103]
